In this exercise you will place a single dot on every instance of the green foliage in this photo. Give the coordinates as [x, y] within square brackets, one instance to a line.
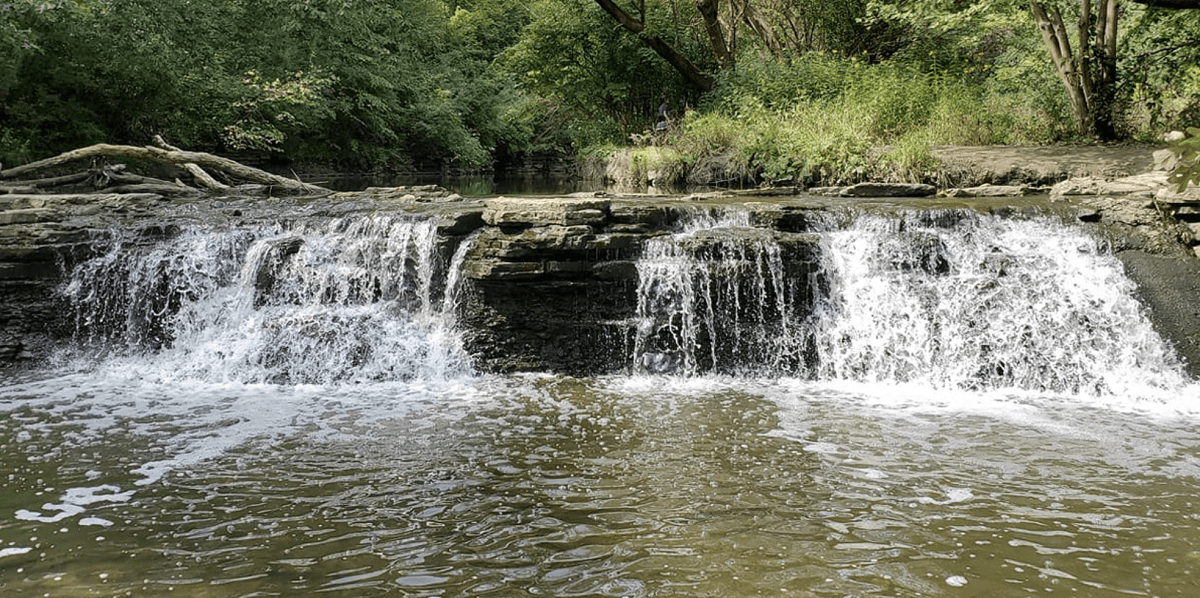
[271, 108]
[1161, 71]
[371, 84]
[375, 84]
[1187, 160]
[609, 82]
[829, 119]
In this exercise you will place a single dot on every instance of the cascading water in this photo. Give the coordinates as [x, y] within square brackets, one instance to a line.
[949, 299]
[720, 295]
[349, 299]
[985, 302]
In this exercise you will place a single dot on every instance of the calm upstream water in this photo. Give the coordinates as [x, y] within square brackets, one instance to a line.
[992, 417]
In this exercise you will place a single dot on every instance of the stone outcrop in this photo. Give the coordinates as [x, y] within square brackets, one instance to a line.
[877, 190]
[988, 190]
[551, 283]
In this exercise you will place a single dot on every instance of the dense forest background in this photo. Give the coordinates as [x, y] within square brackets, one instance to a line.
[779, 87]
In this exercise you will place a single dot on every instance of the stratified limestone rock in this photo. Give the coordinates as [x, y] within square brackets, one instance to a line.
[557, 298]
[28, 216]
[827, 191]
[514, 212]
[992, 191]
[548, 284]
[1189, 196]
[1143, 185]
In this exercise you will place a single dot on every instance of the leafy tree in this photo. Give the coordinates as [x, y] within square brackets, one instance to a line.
[609, 82]
[1080, 37]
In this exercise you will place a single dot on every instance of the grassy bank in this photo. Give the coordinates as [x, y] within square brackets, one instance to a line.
[826, 120]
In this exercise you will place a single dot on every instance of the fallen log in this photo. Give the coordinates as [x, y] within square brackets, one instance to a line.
[175, 157]
[121, 178]
[57, 181]
[197, 173]
[168, 189]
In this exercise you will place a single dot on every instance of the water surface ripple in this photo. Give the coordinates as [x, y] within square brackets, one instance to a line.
[551, 486]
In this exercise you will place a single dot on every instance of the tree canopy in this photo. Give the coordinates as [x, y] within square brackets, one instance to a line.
[410, 84]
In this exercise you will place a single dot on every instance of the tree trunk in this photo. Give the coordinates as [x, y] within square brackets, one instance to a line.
[1089, 75]
[197, 173]
[710, 12]
[660, 47]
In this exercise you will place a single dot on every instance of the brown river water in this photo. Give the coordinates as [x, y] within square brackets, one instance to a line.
[965, 435]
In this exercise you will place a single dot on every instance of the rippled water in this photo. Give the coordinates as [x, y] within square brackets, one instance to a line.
[550, 486]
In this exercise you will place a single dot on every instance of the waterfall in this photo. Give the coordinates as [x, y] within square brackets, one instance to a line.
[721, 296]
[948, 299]
[961, 300]
[363, 298]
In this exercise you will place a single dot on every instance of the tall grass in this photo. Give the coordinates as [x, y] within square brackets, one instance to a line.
[832, 120]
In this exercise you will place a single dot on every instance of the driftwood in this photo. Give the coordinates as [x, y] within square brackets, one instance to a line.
[194, 163]
[198, 173]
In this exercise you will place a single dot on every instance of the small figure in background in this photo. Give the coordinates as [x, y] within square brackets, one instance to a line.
[664, 115]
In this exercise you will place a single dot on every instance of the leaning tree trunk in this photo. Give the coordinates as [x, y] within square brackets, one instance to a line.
[1089, 75]
[665, 50]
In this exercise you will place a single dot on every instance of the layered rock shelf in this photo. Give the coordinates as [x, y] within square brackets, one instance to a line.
[551, 283]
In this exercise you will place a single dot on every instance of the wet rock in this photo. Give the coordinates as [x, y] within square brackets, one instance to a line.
[888, 190]
[459, 222]
[827, 191]
[275, 256]
[1123, 210]
[28, 216]
[643, 214]
[1169, 286]
[1168, 194]
[545, 211]
[1088, 215]
[1164, 159]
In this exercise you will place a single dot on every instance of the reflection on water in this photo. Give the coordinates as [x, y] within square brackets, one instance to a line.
[550, 486]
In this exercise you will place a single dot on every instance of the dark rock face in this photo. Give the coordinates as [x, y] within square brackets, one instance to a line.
[1169, 286]
[35, 246]
[552, 284]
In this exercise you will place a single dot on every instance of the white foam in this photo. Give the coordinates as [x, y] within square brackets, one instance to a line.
[956, 581]
[988, 303]
[74, 502]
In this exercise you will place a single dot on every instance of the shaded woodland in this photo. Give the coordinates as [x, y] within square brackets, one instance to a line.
[781, 86]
